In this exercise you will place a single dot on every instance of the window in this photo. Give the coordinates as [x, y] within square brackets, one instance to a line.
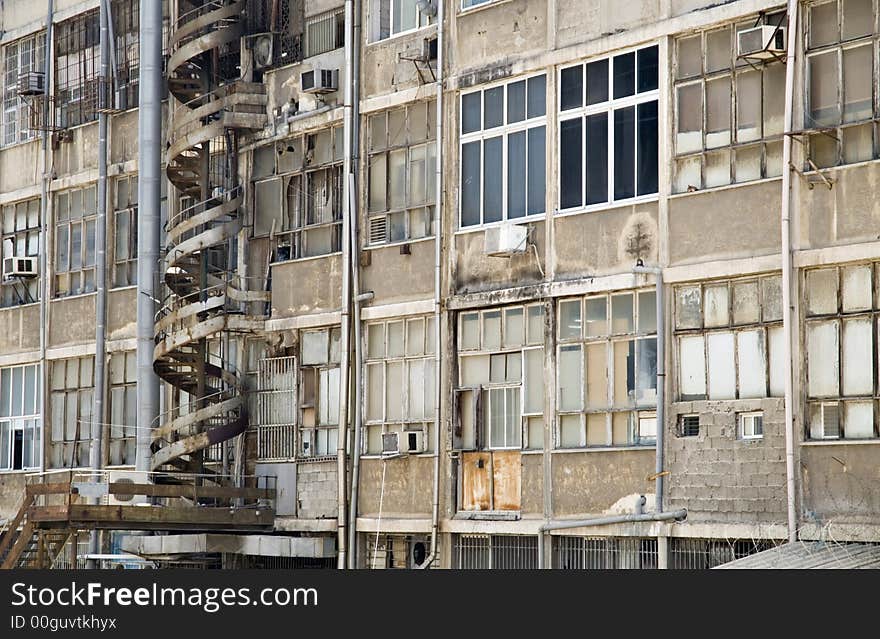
[751, 425]
[275, 414]
[71, 383]
[608, 129]
[22, 56]
[21, 237]
[730, 340]
[20, 423]
[500, 401]
[842, 53]
[688, 425]
[606, 370]
[126, 31]
[400, 384]
[729, 112]
[123, 408]
[75, 219]
[77, 68]
[841, 339]
[319, 392]
[503, 141]
[403, 173]
[392, 17]
[298, 195]
[126, 226]
[324, 32]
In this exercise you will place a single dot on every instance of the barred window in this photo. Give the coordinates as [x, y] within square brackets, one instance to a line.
[324, 32]
[20, 422]
[23, 56]
[298, 195]
[125, 224]
[71, 383]
[21, 238]
[77, 68]
[75, 220]
[402, 173]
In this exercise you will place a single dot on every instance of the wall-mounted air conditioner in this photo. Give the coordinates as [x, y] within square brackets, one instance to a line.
[262, 47]
[506, 240]
[319, 81]
[763, 42]
[129, 477]
[14, 267]
[32, 83]
[408, 442]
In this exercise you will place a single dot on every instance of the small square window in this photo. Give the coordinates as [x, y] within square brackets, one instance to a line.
[751, 425]
[647, 428]
[688, 425]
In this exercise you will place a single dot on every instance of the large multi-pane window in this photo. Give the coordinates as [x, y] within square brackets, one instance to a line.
[77, 68]
[500, 400]
[400, 384]
[21, 238]
[503, 148]
[125, 225]
[729, 337]
[319, 392]
[608, 129]
[20, 425]
[729, 111]
[75, 220]
[23, 56]
[126, 31]
[392, 17]
[842, 54]
[298, 195]
[123, 408]
[402, 173]
[841, 339]
[606, 363]
[71, 384]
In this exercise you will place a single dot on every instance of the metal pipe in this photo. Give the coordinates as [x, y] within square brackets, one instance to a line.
[438, 359]
[345, 329]
[44, 229]
[356, 284]
[149, 203]
[661, 380]
[676, 515]
[97, 451]
[785, 240]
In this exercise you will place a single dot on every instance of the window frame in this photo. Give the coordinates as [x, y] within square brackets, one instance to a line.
[84, 220]
[21, 420]
[30, 234]
[12, 102]
[310, 434]
[757, 418]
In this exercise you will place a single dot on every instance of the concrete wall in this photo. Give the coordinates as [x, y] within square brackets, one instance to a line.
[316, 490]
[399, 278]
[72, 320]
[474, 271]
[18, 329]
[847, 213]
[306, 286]
[408, 487]
[598, 482]
[840, 484]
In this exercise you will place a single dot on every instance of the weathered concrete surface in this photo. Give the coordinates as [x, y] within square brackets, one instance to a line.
[20, 166]
[491, 36]
[840, 484]
[849, 212]
[307, 286]
[408, 487]
[385, 72]
[393, 277]
[532, 502]
[72, 320]
[590, 483]
[477, 272]
[19, 329]
[122, 316]
[11, 493]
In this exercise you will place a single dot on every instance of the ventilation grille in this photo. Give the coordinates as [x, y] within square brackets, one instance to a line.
[378, 230]
[689, 426]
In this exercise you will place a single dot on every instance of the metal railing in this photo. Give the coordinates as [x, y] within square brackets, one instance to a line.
[604, 553]
[498, 552]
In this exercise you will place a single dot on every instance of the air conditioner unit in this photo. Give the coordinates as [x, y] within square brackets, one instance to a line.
[826, 424]
[261, 46]
[408, 442]
[506, 240]
[32, 83]
[19, 267]
[390, 444]
[764, 42]
[130, 477]
[319, 81]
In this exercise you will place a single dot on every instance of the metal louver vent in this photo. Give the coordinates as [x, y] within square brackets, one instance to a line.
[830, 421]
[378, 230]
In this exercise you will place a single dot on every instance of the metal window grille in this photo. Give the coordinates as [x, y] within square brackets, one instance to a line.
[77, 68]
[604, 553]
[702, 554]
[324, 32]
[502, 552]
[276, 408]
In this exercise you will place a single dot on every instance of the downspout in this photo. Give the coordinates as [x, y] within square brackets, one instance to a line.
[675, 515]
[345, 329]
[44, 229]
[100, 272]
[438, 217]
[356, 284]
[149, 203]
[785, 240]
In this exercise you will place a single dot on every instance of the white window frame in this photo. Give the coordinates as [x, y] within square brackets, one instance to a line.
[422, 21]
[609, 107]
[323, 410]
[754, 418]
[503, 131]
[22, 420]
[12, 102]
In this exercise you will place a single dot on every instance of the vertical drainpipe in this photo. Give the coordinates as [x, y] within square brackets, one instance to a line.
[149, 199]
[345, 329]
[356, 286]
[785, 240]
[44, 230]
[100, 269]
[438, 357]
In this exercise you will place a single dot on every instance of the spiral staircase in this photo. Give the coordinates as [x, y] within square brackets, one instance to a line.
[206, 299]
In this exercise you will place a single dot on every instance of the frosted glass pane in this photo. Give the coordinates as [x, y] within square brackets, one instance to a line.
[570, 431]
[393, 388]
[778, 362]
[622, 313]
[314, 347]
[536, 325]
[375, 391]
[534, 381]
[722, 379]
[858, 420]
[857, 288]
[692, 367]
[570, 319]
[513, 327]
[597, 430]
[376, 341]
[688, 307]
[415, 337]
[470, 331]
[823, 366]
[570, 378]
[474, 370]
[858, 370]
[750, 354]
[745, 303]
[416, 389]
[716, 306]
[492, 330]
[597, 375]
[596, 320]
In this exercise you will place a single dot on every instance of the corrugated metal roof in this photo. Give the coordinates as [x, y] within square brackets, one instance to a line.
[811, 554]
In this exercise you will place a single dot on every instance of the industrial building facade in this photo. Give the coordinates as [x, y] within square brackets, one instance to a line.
[409, 269]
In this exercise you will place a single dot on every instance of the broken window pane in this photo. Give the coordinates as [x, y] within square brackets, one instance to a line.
[571, 92]
[570, 163]
[716, 305]
[596, 158]
[688, 307]
[646, 371]
[622, 313]
[858, 369]
[858, 420]
[824, 108]
[692, 367]
[570, 378]
[570, 319]
[624, 372]
[750, 362]
[597, 375]
[689, 58]
[689, 133]
[718, 112]
[857, 285]
[857, 81]
[824, 150]
[822, 291]
[722, 376]
[822, 354]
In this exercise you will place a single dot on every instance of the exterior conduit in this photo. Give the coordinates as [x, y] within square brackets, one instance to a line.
[785, 240]
[675, 515]
[438, 380]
